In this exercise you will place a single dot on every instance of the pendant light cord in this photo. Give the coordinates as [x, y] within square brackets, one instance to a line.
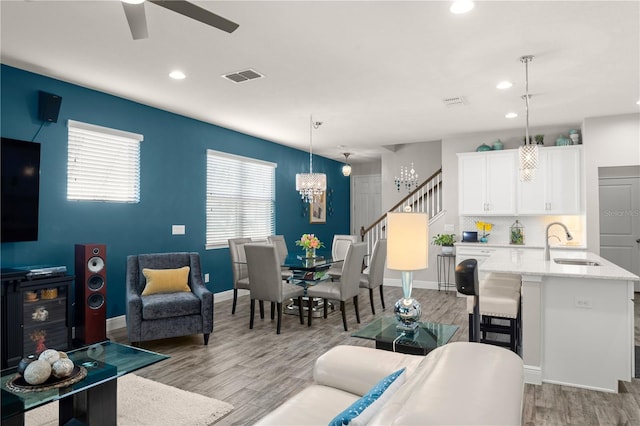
[526, 60]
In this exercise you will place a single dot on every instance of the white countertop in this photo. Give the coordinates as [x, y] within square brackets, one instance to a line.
[524, 246]
[531, 262]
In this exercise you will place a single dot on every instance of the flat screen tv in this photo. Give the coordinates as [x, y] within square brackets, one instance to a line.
[20, 190]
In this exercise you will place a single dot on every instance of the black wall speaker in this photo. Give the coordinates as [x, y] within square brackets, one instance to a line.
[91, 293]
[48, 107]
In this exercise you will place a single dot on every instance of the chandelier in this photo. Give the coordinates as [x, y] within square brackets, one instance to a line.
[529, 151]
[311, 185]
[346, 169]
[408, 178]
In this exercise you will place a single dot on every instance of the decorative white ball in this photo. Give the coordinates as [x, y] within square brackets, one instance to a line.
[63, 354]
[37, 372]
[50, 355]
[62, 368]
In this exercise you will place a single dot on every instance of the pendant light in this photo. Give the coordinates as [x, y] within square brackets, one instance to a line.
[311, 185]
[346, 169]
[528, 153]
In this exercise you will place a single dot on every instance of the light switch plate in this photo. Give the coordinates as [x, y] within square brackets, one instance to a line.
[449, 228]
[177, 229]
[206, 278]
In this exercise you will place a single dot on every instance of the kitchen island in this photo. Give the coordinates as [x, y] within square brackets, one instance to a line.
[577, 317]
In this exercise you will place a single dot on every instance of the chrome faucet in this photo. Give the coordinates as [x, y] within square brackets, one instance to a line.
[547, 254]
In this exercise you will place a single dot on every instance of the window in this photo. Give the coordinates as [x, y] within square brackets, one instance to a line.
[103, 164]
[240, 198]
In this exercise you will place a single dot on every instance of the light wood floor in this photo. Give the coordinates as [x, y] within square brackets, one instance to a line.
[256, 370]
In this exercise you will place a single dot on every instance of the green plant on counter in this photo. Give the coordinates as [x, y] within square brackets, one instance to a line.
[444, 240]
[517, 237]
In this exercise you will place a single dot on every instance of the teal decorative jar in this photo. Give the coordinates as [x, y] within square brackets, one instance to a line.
[562, 141]
[483, 147]
[498, 145]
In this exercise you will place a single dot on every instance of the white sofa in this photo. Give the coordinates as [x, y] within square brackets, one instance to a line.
[459, 383]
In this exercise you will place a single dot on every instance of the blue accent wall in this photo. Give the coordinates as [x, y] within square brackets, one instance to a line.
[172, 184]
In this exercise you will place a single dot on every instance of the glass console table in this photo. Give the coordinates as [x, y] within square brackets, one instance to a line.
[427, 337]
[92, 400]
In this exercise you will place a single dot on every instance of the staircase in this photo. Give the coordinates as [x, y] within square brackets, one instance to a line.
[426, 198]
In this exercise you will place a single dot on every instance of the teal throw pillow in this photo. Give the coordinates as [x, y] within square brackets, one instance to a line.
[379, 394]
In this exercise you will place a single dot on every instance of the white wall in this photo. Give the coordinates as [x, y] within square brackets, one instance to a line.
[609, 141]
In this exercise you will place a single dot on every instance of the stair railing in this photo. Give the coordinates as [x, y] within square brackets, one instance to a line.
[426, 198]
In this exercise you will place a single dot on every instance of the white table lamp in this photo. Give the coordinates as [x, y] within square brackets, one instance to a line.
[408, 251]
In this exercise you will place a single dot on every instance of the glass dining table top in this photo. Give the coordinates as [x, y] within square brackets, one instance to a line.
[298, 261]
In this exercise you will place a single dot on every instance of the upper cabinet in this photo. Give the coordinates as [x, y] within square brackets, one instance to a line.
[486, 182]
[556, 188]
[489, 184]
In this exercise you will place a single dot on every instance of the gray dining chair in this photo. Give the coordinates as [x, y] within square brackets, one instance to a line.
[281, 247]
[266, 282]
[373, 276]
[239, 268]
[345, 289]
[339, 248]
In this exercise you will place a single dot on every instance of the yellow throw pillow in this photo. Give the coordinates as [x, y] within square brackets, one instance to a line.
[166, 280]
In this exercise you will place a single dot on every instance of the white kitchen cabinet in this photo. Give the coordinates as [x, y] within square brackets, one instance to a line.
[486, 183]
[556, 188]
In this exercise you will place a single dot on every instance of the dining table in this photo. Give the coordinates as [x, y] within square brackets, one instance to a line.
[306, 272]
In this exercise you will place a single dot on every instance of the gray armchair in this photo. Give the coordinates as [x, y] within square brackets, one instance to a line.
[163, 315]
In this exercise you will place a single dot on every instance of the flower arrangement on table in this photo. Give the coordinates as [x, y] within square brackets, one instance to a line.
[309, 243]
[484, 227]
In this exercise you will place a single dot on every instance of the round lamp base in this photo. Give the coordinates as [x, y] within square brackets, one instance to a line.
[408, 313]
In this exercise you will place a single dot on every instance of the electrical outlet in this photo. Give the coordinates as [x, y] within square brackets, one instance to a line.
[177, 229]
[449, 228]
[584, 303]
[206, 278]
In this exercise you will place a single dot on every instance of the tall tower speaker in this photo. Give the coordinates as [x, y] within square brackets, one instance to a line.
[91, 293]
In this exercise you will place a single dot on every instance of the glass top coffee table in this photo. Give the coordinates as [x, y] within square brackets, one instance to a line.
[427, 337]
[92, 399]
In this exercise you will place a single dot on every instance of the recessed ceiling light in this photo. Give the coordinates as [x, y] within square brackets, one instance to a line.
[638, 102]
[177, 75]
[461, 6]
[504, 85]
[133, 1]
[511, 115]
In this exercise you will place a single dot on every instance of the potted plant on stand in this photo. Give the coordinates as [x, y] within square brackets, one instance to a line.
[445, 241]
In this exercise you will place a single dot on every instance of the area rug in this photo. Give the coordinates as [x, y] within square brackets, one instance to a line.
[145, 402]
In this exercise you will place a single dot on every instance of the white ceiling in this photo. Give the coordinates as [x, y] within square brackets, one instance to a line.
[375, 72]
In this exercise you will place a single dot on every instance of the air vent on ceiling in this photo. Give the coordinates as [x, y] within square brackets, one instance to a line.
[455, 101]
[242, 76]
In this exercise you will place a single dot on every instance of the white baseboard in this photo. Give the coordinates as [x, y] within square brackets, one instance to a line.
[532, 375]
[121, 322]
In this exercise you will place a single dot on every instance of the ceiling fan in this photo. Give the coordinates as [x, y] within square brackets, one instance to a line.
[134, 11]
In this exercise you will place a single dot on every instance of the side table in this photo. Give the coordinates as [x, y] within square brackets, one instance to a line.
[444, 262]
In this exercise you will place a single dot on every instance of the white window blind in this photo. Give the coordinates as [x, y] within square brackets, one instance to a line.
[240, 198]
[103, 164]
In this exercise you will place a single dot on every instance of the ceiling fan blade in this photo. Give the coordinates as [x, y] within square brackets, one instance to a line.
[199, 14]
[137, 20]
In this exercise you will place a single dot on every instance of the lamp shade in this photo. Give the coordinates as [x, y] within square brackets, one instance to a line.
[407, 241]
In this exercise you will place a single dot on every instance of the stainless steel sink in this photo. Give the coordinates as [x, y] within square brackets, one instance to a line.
[579, 262]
